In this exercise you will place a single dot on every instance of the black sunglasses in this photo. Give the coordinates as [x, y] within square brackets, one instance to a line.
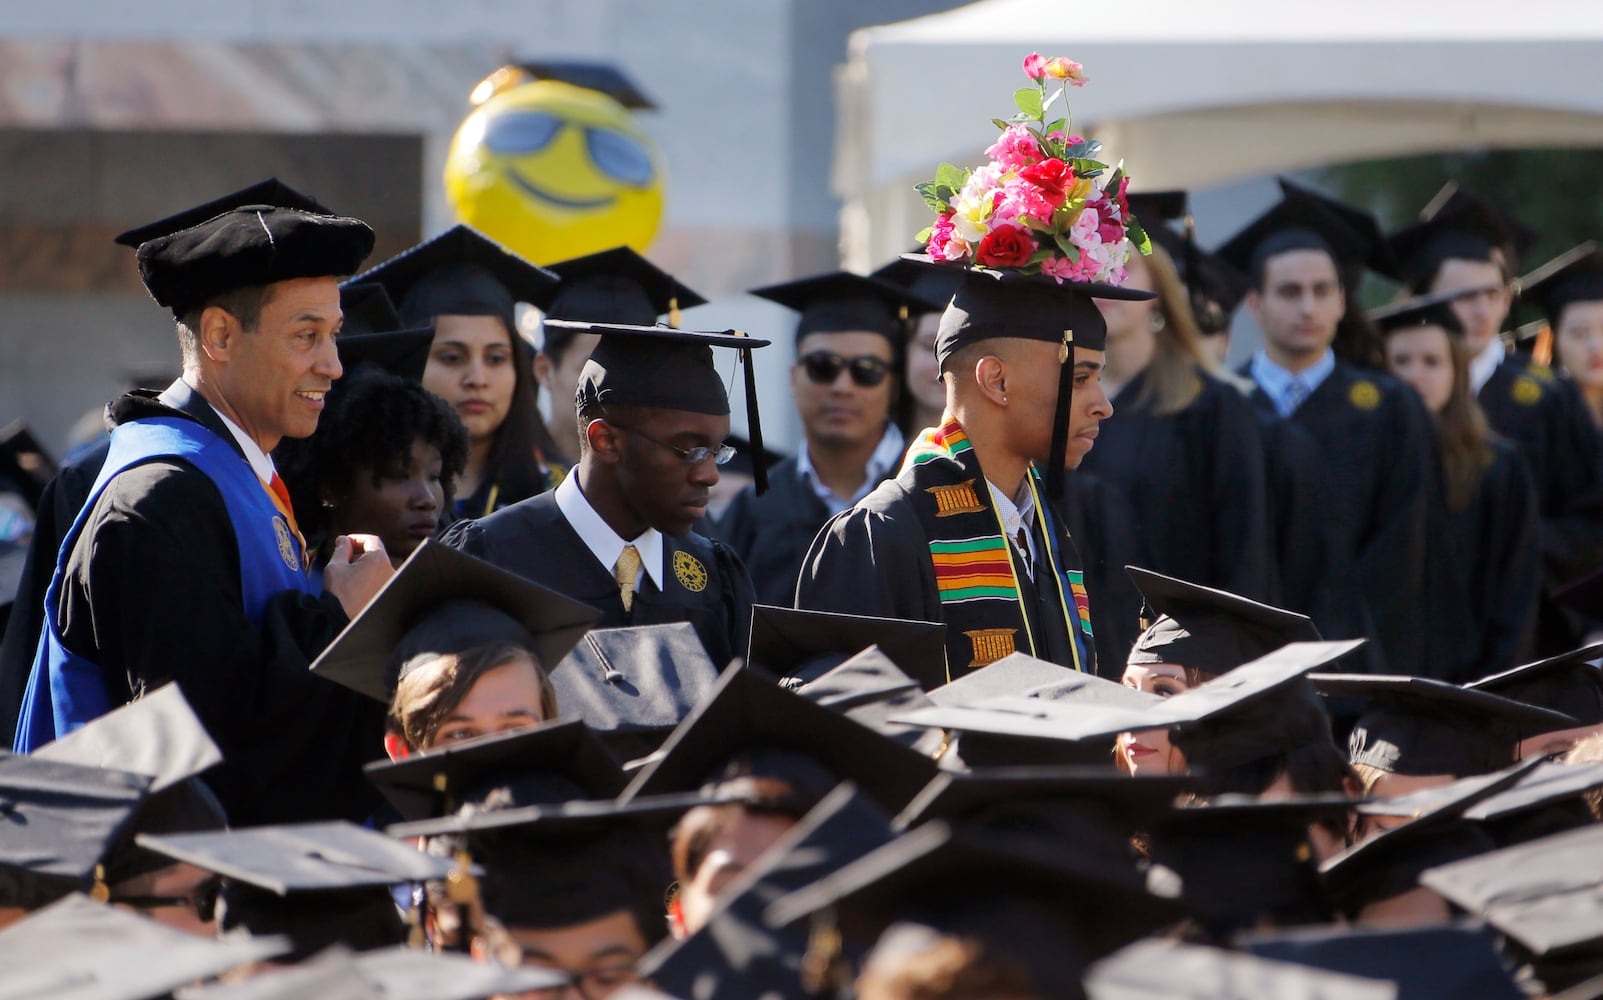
[825, 367]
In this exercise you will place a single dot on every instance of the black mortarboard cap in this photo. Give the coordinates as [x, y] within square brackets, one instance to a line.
[1210, 630]
[78, 949]
[326, 857]
[251, 245]
[1214, 287]
[991, 304]
[24, 461]
[1576, 275]
[157, 735]
[634, 685]
[1550, 799]
[999, 880]
[929, 289]
[460, 272]
[1570, 683]
[445, 601]
[603, 77]
[1389, 863]
[870, 689]
[386, 974]
[794, 644]
[1241, 858]
[555, 761]
[1083, 719]
[1442, 962]
[61, 821]
[1303, 220]
[736, 953]
[1017, 673]
[962, 796]
[1167, 970]
[748, 711]
[616, 286]
[1418, 725]
[272, 192]
[669, 369]
[317, 883]
[372, 334]
[1424, 310]
[841, 301]
[1458, 225]
[1547, 895]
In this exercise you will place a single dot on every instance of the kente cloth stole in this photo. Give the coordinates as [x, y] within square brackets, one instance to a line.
[981, 600]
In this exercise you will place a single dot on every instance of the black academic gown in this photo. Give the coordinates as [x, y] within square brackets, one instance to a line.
[1375, 477]
[1107, 534]
[1197, 482]
[706, 585]
[874, 559]
[152, 594]
[1492, 550]
[1297, 529]
[1545, 417]
[59, 504]
[770, 533]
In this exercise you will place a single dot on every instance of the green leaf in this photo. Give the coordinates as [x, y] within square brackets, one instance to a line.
[1001, 123]
[1058, 126]
[1138, 236]
[931, 195]
[925, 234]
[1045, 253]
[1069, 249]
[947, 175]
[1028, 100]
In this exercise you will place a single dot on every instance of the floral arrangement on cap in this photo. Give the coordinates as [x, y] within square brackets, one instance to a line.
[1043, 204]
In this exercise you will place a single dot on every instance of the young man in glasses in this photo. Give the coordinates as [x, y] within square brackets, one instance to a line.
[616, 534]
[849, 338]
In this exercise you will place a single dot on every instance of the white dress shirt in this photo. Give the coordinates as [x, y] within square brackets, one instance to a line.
[1485, 363]
[604, 543]
[261, 463]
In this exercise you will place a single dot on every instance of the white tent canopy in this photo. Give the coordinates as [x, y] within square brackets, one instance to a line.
[1196, 94]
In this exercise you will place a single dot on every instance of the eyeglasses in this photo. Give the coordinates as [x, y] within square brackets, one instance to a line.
[692, 456]
[202, 899]
[824, 367]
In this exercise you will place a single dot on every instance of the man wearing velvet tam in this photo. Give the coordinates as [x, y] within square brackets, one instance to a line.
[185, 563]
[964, 535]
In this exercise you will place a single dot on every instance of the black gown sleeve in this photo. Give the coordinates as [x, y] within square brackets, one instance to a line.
[1102, 526]
[870, 561]
[1510, 581]
[1391, 561]
[737, 596]
[1240, 551]
[152, 594]
[1572, 535]
[466, 536]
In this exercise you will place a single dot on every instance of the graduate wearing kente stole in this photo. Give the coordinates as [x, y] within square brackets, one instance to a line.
[967, 533]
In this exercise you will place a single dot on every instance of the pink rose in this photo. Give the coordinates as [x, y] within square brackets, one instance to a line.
[1015, 148]
[942, 243]
[1008, 245]
[1053, 177]
[1035, 65]
[1019, 199]
[1066, 69]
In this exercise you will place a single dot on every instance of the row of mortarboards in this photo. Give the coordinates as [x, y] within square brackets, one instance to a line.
[918, 811]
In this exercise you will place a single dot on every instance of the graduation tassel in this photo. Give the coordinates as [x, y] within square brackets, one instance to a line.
[754, 429]
[675, 317]
[100, 892]
[1055, 478]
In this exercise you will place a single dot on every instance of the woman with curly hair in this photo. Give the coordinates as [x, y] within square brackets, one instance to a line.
[385, 461]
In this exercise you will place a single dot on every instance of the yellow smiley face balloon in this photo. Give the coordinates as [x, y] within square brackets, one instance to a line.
[555, 171]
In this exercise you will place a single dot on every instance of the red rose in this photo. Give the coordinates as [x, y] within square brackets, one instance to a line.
[1052, 176]
[1005, 246]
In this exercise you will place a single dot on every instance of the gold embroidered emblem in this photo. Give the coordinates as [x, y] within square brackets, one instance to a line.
[286, 543]
[990, 645]
[689, 571]
[1526, 391]
[955, 499]
[1364, 395]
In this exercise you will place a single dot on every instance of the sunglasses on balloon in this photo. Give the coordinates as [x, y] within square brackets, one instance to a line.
[824, 367]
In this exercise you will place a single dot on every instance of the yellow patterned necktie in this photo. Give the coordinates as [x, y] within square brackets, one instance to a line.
[626, 572]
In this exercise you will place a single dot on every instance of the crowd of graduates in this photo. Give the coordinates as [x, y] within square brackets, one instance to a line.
[335, 669]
